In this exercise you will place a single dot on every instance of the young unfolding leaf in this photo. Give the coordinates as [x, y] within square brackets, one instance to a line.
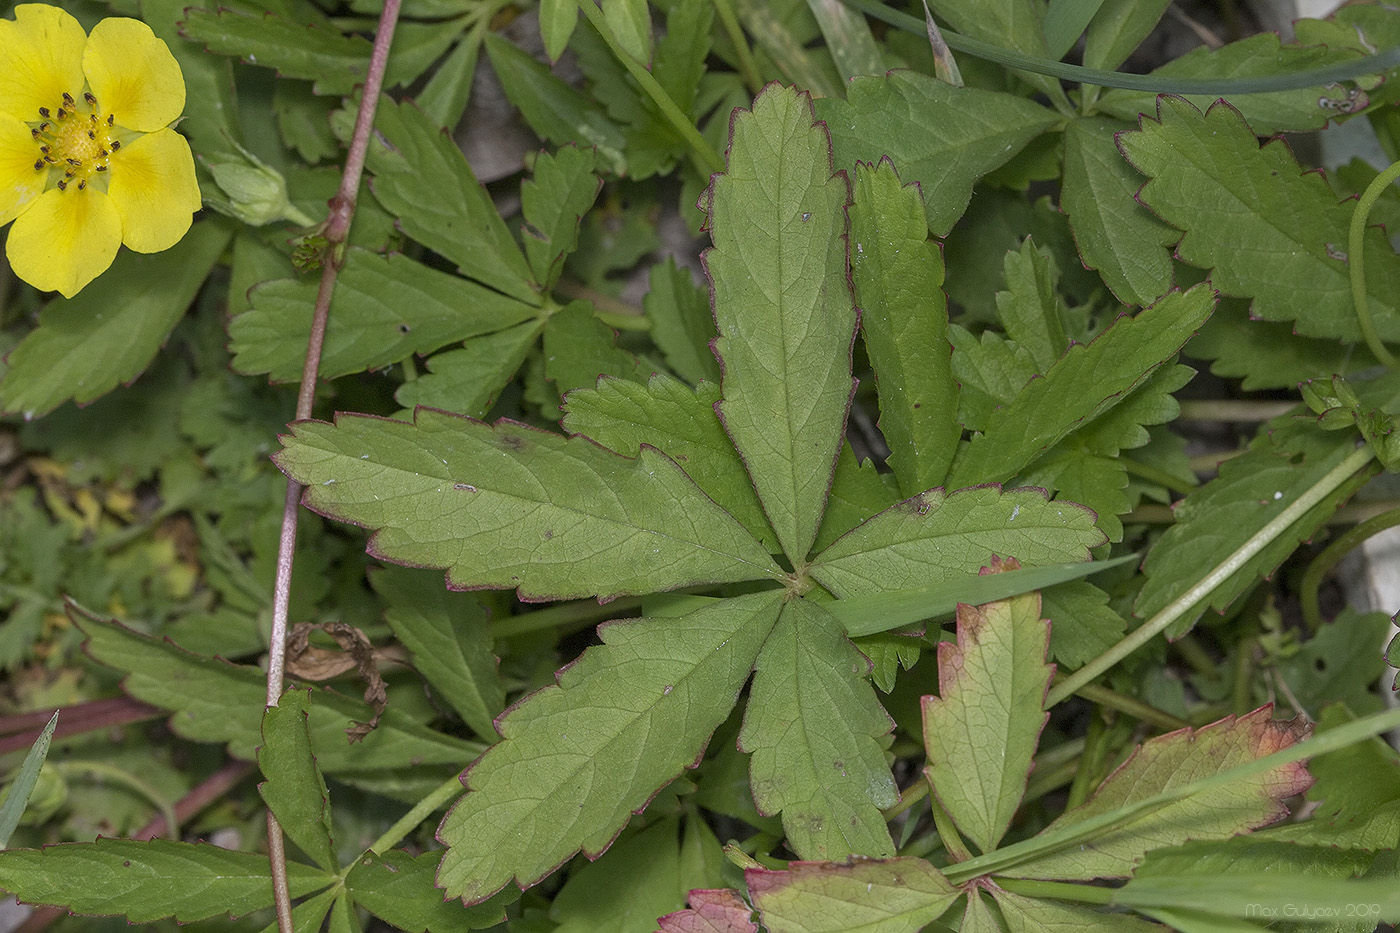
[1267, 229]
[385, 309]
[294, 790]
[148, 880]
[510, 506]
[711, 911]
[553, 200]
[990, 709]
[936, 537]
[942, 137]
[811, 725]
[783, 308]
[901, 895]
[898, 278]
[1084, 385]
[1169, 761]
[624, 719]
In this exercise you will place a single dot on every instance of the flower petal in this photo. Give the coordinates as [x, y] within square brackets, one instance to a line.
[20, 183]
[153, 186]
[65, 240]
[133, 75]
[42, 52]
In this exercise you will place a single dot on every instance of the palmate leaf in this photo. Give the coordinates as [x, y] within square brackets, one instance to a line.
[936, 537]
[811, 725]
[385, 309]
[1268, 230]
[337, 63]
[783, 308]
[901, 895]
[576, 759]
[1086, 383]
[1173, 760]
[987, 717]
[148, 880]
[898, 276]
[508, 506]
[295, 790]
[942, 137]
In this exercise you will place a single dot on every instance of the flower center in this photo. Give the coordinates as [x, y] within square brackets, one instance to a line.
[75, 141]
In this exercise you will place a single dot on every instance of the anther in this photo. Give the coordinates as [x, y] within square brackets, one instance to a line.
[88, 96]
[68, 98]
[77, 162]
[44, 112]
[62, 184]
[91, 134]
[43, 126]
[38, 164]
[104, 152]
[101, 168]
[116, 144]
[82, 185]
[61, 113]
[50, 159]
[35, 133]
[44, 150]
[110, 118]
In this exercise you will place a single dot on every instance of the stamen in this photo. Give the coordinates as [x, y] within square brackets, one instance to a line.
[62, 184]
[51, 160]
[110, 118]
[68, 99]
[104, 152]
[92, 134]
[38, 164]
[116, 144]
[82, 184]
[77, 162]
[44, 112]
[35, 133]
[61, 113]
[88, 96]
[44, 150]
[101, 168]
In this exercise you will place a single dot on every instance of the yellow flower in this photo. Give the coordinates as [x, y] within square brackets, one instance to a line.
[87, 159]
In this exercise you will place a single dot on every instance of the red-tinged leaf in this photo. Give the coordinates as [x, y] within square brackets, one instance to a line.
[900, 895]
[1170, 761]
[987, 717]
[711, 911]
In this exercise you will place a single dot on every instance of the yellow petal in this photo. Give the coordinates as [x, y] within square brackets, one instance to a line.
[153, 186]
[41, 57]
[65, 240]
[133, 75]
[20, 183]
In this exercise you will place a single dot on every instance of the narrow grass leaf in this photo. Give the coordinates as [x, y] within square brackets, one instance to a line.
[783, 308]
[508, 506]
[18, 790]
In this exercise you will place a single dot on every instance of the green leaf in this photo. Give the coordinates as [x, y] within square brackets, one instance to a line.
[623, 415]
[630, 23]
[469, 379]
[942, 137]
[1262, 55]
[1267, 355]
[444, 97]
[679, 64]
[937, 537]
[513, 507]
[1215, 520]
[148, 880]
[107, 334]
[991, 371]
[681, 323]
[898, 277]
[1118, 28]
[1065, 22]
[398, 888]
[578, 758]
[385, 309]
[310, 915]
[555, 110]
[557, 21]
[1116, 235]
[858, 491]
[848, 38]
[448, 637]
[783, 308]
[637, 881]
[294, 790]
[1084, 385]
[1267, 229]
[17, 792]
[1082, 626]
[454, 215]
[1029, 309]
[560, 191]
[1339, 663]
[579, 348]
[1163, 763]
[812, 726]
[901, 895]
[1013, 24]
[1042, 915]
[215, 701]
[989, 712]
[337, 63]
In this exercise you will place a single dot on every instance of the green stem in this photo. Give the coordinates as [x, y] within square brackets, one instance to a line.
[907, 799]
[111, 772]
[948, 833]
[1356, 262]
[424, 808]
[1334, 552]
[1215, 87]
[1154, 626]
[1241, 697]
[748, 67]
[1130, 706]
[709, 159]
[1233, 410]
